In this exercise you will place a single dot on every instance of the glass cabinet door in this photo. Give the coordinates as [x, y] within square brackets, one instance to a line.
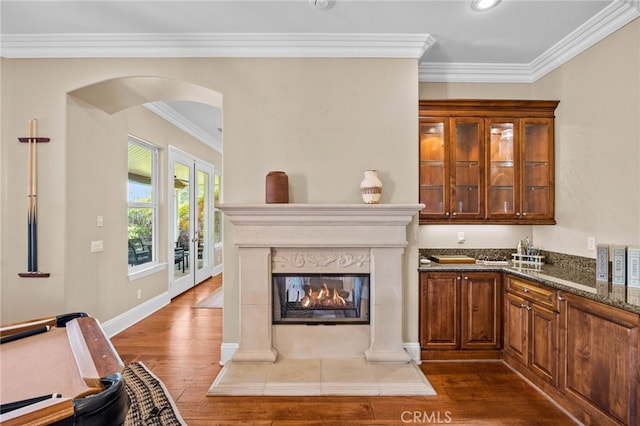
[467, 138]
[502, 195]
[486, 161]
[538, 153]
[433, 168]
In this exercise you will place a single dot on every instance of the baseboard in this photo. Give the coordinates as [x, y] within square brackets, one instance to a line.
[226, 351]
[460, 355]
[217, 270]
[413, 349]
[545, 393]
[132, 316]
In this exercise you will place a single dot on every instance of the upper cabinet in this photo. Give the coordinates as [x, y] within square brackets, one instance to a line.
[487, 161]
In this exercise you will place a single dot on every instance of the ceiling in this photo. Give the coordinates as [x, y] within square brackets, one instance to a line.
[518, 41]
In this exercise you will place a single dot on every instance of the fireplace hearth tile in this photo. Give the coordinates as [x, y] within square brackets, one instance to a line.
[346, 389]
[295, 371]
[397, 379]
[312, 377]
[247, 378]
[348, 370]
[393, 373]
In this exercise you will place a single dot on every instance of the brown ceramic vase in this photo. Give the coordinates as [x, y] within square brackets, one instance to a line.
[277, 187]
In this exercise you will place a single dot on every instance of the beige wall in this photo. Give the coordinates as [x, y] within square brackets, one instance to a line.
[82, 174]
[597, 150]
[598, 145]
[323, 121]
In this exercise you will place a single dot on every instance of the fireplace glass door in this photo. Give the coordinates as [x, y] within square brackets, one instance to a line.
[320, 299]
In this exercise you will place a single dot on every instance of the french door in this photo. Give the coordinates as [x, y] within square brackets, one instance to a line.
[190, 221]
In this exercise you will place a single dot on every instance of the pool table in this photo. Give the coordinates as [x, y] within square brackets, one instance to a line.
[61, 370]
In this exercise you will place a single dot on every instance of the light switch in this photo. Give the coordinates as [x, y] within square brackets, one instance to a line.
[100, 221]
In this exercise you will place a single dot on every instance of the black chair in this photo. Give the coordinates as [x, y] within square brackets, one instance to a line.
[179, 258]
[132, 257]
[183, 244]
[138, 252]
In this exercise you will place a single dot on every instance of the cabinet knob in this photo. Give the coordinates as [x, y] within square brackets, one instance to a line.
[446, 214]
[522, 305]
[517, 213]
[526, 290]
[524, 214]
[458, 278]
[528, 307]
[560, 298]
[454, 214]
[466, 278]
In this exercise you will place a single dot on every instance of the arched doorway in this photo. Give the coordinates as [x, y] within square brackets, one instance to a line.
[118, 95]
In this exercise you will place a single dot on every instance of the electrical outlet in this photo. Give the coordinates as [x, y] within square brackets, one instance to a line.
[460, 237]
[591, 243]
[139, 293]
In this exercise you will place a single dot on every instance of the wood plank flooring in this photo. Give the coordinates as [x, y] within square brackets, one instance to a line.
[181, 345]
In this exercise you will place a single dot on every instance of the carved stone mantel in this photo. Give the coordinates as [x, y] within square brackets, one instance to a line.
[321, 237]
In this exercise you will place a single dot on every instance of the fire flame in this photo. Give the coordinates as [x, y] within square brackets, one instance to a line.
[323, 298]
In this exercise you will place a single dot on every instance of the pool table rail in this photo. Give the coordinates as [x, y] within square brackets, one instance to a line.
[89, 385]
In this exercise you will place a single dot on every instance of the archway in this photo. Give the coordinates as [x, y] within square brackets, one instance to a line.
[102, 112]
[117, 94]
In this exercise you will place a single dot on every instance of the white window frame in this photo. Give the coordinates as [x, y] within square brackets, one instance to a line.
[139, 271]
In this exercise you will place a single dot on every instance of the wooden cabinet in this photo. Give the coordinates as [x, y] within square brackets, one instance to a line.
[582, 353]
[600, 361]
[487, 161]
[531, 328]
[460, 315]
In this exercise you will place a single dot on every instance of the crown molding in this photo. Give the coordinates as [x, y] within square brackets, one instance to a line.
[216, 45]
[163, 110]
[610, 19]
[441, 72]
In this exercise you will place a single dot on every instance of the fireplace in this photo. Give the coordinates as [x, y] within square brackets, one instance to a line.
[320, 299]
[287, 252]
[321, 239]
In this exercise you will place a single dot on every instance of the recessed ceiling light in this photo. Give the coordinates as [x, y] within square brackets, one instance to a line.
[322, 4]
[481, 5]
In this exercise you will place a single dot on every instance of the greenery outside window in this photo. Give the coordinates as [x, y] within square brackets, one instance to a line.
[217, 218]
[142, 198]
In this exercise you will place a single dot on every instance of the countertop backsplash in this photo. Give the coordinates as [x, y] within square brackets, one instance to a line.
[585, 265]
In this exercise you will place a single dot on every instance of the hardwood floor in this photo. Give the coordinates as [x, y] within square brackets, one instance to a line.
[181, 345]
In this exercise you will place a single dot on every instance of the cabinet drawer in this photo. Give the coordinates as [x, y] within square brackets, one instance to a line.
[534, 292]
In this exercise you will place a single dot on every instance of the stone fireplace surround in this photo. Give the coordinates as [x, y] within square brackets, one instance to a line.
[299, 359]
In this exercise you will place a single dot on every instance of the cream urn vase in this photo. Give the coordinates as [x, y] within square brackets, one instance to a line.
[371, 187]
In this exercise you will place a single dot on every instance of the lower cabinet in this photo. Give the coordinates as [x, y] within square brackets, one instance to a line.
[531, 328]
[460, 315]
[600, 359]
[582, 353]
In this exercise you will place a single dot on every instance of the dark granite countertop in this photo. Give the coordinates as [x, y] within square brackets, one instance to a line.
[561, 275]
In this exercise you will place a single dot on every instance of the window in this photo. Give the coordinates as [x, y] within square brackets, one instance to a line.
[217, 218]
[142, 190]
